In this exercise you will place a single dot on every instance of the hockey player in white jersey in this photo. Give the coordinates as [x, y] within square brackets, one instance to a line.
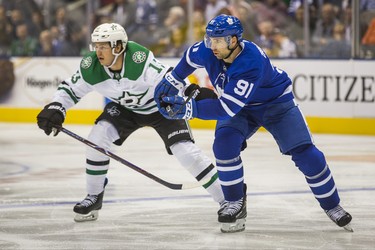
[251, 93]
[127, 74]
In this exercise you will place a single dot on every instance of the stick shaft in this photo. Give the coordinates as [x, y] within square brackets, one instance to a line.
[131, 165]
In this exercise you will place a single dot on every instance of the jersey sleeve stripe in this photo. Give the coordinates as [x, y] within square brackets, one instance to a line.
[232, 99]
[227, 110]
[72, 96]
[287, 91]
[192, 64]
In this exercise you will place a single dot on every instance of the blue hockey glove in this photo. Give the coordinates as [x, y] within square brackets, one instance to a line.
[178, 108]
[169, 86]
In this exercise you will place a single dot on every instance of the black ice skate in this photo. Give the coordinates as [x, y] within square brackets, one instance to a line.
[340, 217]
[87, 210]
[232, 215]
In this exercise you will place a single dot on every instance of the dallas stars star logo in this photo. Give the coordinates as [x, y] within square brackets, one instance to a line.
[131, 100]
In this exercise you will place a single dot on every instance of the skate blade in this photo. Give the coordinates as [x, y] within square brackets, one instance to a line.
[93, 215]
[233, 227]
[348, 228]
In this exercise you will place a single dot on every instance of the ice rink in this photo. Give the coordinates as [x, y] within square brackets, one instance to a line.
[41, 178]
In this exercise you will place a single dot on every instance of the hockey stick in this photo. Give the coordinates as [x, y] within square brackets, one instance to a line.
[193, 94]
[132, 166]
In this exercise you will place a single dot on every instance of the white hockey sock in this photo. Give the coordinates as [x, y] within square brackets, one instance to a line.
[95, 184]
[102, 134]
[215, 191]
[199, 165]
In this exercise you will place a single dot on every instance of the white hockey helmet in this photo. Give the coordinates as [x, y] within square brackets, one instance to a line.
[110, 32]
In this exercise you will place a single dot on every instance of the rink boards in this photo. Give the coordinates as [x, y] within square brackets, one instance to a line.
[336, 96]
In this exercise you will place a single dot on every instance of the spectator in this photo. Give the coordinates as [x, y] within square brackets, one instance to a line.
[337, 47]
[63, 23]
[144, 27]
[324, 26]
[265, 39]
[277, 5]
[36, 26]
[177, 44]
[346, 19]
[294, 5]
[246, 15]
[46, 46]
[62, 46]
[23, 45]
[285, 48]
[146, 12]
[270, 11]
[227, 10]
[5, 33]
[367, 5]
[16, 18]
[337, 6]
[122, 12]
[295, 30]
[199, 25]
[137, 16]
[175, 20]
[213, 7]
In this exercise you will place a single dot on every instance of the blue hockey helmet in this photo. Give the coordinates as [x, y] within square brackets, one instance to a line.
[223, 26]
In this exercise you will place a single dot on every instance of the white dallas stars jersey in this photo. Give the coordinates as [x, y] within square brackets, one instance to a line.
[133, 88]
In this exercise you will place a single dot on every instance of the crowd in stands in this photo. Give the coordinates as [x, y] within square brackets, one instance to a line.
[30, 28]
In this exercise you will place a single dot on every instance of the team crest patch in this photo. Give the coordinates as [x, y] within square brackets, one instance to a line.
[139, 56]
[86, 62]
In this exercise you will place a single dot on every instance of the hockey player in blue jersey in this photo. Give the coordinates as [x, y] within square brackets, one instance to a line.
[250, 93]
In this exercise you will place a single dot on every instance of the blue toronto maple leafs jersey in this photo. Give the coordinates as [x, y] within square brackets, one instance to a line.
[249, 82]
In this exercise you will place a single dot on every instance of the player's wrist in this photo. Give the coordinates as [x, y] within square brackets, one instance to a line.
[175, 80]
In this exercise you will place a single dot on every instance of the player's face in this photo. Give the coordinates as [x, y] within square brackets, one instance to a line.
[104, 53]
[219, 47]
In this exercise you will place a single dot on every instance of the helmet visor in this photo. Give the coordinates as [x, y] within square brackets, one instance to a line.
[217, 42]
[100, 46]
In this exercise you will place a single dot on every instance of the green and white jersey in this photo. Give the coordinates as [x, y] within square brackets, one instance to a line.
[133, 88]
